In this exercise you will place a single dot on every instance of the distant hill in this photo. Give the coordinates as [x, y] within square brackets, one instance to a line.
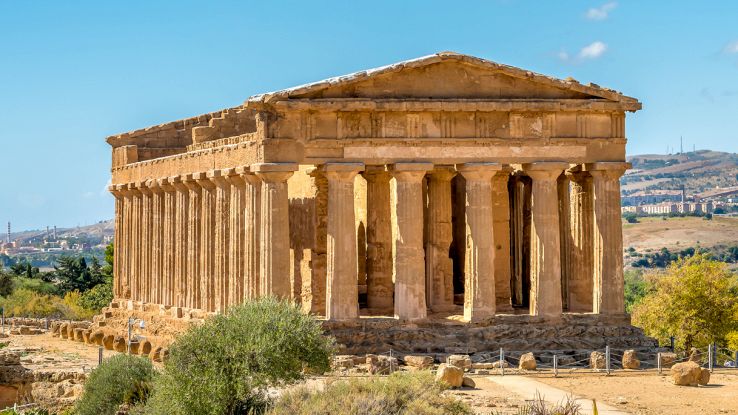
[95, 231]
[702, 171]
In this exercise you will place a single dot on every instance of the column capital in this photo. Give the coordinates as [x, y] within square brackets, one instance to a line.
[610, 169]
[179, 183]
[342, 171]
[274, 172]
[134, 188]
[189, 181]
[410, 172]
[165, 185]
[218, 177]
[478, 170]
[202, 179]
[545, 170]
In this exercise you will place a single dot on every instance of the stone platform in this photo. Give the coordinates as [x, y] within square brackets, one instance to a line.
[440, 333]
[572, 334]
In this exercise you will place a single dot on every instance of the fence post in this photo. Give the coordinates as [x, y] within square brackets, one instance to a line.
[46, 324]
[3, 318]
[502, 362]
[607, 359]
[658, 361]
[671, 340]
[99, 355]
[556, 366]
[709, 357]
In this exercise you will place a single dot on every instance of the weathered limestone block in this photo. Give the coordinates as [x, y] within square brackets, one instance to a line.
[109, 341]
[630, 360]
[119, 344]
[704, 377]
[64, 330]
[500, 364]
[527, 362]
[468, 382]
[451, 375]
[687, 374]
[135, 346]
[597, 360]
[380, 364]
[461, 361]
[668, 359]
[342, 362]
[97, 337]
[417, 361]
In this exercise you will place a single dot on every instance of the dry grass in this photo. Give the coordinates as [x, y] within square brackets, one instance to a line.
[678, 233]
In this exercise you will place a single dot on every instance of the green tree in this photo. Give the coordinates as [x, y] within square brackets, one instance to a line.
[695, 300]
[117, 380]
[74, 274]
[225, 365]
[6, 284]
[635, 288]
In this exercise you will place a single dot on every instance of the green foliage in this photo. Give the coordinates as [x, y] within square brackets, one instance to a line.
[6, 284]
[415, 393]
[114, 381]
[635, 288]
[74, 274]
[225, 365]
[630, 217]
[695, 300]
[27, 303]
[98, 297]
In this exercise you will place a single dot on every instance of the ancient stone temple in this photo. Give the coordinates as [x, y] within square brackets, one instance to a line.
[446, 189]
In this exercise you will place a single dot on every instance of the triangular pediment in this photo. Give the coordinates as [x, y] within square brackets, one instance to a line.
[446, 75]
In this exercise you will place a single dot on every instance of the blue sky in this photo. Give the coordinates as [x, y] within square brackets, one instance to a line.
[72, 73]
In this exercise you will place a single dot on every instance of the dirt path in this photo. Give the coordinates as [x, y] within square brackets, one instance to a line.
[653, 394]
[43, 351]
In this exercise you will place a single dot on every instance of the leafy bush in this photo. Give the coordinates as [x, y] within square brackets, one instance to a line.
[695, 300]
[111, 383]
[98, 297]
[225, 365]
[415, 393]
[27, 303]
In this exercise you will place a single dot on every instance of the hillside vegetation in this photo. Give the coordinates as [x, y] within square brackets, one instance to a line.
[698, 171]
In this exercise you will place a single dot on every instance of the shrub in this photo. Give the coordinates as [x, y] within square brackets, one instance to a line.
[225, 365]
[116, 379]
[415, 393]
[98, 297]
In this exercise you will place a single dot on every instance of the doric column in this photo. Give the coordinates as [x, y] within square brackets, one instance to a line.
[608, 237]
[501, 230]
[157, 240]
[545, 253]
[146, 215]
[408, 266]
[222, 220]
[135, 247]
[378, 238]
[207, 242]
[342, 294]
[252, 223]
[120, 241]
[562, 184]
[439, 273]
[194, 244]
[167, 277]
[519, 266]
[479, 278]
[581, 221]
[236, 238]
[275, 232]
[181, 222]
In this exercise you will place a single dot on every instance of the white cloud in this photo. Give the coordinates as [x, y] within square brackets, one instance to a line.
[731, 48]
[602, 12]
[592, 51]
